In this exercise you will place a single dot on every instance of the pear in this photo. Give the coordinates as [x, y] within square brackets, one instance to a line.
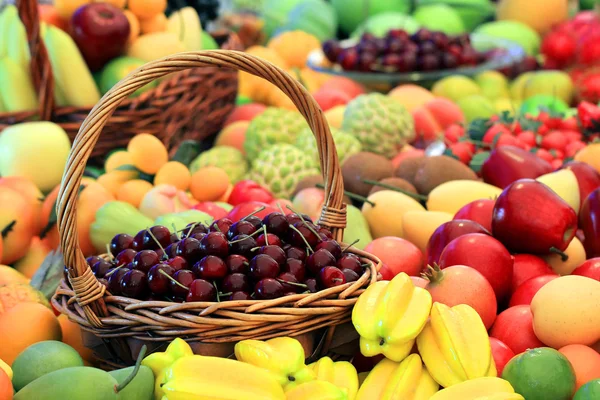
[140, 388]
[564, 183]
[357, 228]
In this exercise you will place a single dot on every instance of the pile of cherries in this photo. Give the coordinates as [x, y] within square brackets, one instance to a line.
[400, 51]
[251, 259]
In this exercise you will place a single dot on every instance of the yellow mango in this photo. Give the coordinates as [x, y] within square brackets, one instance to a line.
[576, 254]
[385, 216]
[420, 225]
[590, 155]
[453, 195]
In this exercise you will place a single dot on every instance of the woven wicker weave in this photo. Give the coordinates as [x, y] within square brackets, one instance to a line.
[192, 104]
[118, 320]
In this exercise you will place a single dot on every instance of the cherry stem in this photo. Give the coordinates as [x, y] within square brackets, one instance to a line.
[173, 279]
[266, 235]
[345, 249]
[254, 212]
[415, 196]
[8, 228]
[176, 231]
[351, 195]
[108, 251]
[217, 289]
[133, 374]
[303, 238]
[302, 285]
[224, 294]
[304, 221]
[247, 236]
[113, 271]
[563, 256]
[191, 229]
[157, 242]
[280, 208]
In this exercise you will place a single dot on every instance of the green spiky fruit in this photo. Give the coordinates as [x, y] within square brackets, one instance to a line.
[345, 144]
[273, 126]
[230, 159]
[380, 123]
[280, 167]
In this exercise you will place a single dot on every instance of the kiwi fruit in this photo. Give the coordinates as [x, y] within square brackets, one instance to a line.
[408, 168]
[440, 169]
[399, 183]
[308, 182]
[365, 165]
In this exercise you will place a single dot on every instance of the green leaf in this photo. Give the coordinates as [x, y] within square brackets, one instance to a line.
[450, 153]
[477, 128]
[127, 167]
[495, 141]
[48, 276]
[187, 151]
[478, 160]
[93, 172]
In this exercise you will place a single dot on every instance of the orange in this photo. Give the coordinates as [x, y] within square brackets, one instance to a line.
[24, 325]
[158, 23]
[6, 388]
[29, 264]
[134, 191]
[30, 191]
[144, 9]
[173, 173]
[117, 3]
[134, 26]
[71, 335]
[209, 183]
[113, 180]
[585, 362]
[15, 208]
[148, 153]
[294, 47]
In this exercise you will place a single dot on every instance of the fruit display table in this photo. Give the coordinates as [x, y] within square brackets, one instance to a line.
[300, 200]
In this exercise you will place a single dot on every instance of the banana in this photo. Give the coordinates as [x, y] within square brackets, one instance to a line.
[17, 91]
[220, 378]
[389, 315]
[341, 373]
[455, 345]
[486, 388]
[283, 357]
[71, 74]
[9, 13]
[407, 380]
[17, 46]
[185, 23]
[159, 362]
[316, 390]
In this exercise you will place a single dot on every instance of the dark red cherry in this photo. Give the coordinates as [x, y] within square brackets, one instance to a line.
[319, 259]
[351, 262]
[263, 266]
[215, 244]
[276, 223]
[101, 268]
[119, 243]
[198, 236]
[156, 237]
[242, 245]
[269, 239]
[236, 283]
[325, 233]
[134, 284]
[138, 241]
[184, 278]
[254, 220]
[210, 268]
[192, 229]
[114, 280]
[350, 275]
[332, 246]
[158, 283]
[330, 277]
[171, 250]
[91, 260]
[268, 288]
[294, 286]
[190, 249]
[221, 225]
[240, 228]
[240, 296]
[302, 234]
[274, 252]
[144, 260]
[237, 264]
[296, 252]
[177, 263]
[295, 267]
[201, 290]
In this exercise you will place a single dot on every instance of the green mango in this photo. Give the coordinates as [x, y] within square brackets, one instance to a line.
[440, 17]
[357, 228]
[183, 218]
[513, 31]
[75, 383]
[140, 388]
[380, 24]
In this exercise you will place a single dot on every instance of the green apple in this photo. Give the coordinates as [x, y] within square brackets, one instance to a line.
[513, 31]
[471, 12]
[380, 24]
[439, 17]
[542, 102]
[35, 150]
[352, 13]
[476, 106]
[493, 84]
[208, 42]
[455, 87]
[118, 69]
[551, 83]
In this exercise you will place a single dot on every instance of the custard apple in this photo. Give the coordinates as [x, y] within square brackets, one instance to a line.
[345, 144]
[280, 167]
[380, 123]
[230, 159]
[273, 126]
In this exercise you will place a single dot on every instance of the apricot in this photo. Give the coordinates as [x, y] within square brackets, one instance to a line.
[157, 23]
[16, 223]
[66, 8]
[566, 311]
[117, 159]
[309, 201]
[49, 14]
[31, 192]
[148, 153]
[113, 180]
[420, 225]
[585, 362]
[30, 263]
[590, 155]
[49, 233]
[134, 191]
[233, 135]
[6, 388]
[24, 325]
[134, 26]
[173, 173]
[147, 8]
[294, 47]
[209, 183]
[71, 335]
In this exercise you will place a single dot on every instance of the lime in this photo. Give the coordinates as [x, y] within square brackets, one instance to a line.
[541, 374]
[589, 391]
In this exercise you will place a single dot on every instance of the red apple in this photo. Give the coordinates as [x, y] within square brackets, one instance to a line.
[501, 354]
[507, 164]
[527, 266]
[486, 255]
[328, 98]
[590, 268]
[101, 31]
[587, 178]
[531, 218]
[241, 210]
[514, 327]
[347, 85]
[446, 233]
[245, 112]
[589, 222]
[211, 209]
[479, 211]
[525, 292]
[399, 255]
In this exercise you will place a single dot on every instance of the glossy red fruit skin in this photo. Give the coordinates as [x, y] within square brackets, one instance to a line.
[590, 268]
[485, 254]
[501, 354]
[514, 327]
[587, 178]
[446, 233]
[243, 209]
[589, 222]
[507, 164]
[530, 218]
[527, 266]
[479, 211]
[248, 190]
[525, 292]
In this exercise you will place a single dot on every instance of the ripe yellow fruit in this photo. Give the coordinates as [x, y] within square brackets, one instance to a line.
[113, 180]
[16, 293]
[158, 23]
[173, 173]
[294, 47]
[148, 153]
[117, 3]
[209, 183]
[144, 9]
[117, 159]
[133, 191]
[134, 26]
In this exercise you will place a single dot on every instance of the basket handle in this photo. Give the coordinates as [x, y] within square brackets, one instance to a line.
[40, 67]
[88, 291]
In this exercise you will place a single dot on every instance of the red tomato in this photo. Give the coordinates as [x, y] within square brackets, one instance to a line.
[460, 284]
[527, 266]
[399, 255]
[514, 327]
[501, 353]
[525, 292]
[559, 46]
[590, 268]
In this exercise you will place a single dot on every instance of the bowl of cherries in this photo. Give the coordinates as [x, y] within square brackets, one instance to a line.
[423, 57]
[252, 259]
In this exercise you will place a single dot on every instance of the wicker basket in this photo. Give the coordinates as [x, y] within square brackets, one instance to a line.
[192, 104]
[118, 326]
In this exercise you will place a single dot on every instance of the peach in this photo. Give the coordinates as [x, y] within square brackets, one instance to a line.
[309, 201]
[17, 224]
[329, 98]
[245, 112]
[31, 192]
[164, 199]
[436, 115]
[335, 116]
[30, 263]
[346, 85]
[411, 96]
[233, 135]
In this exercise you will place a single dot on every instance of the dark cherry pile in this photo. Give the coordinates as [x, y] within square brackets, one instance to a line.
[249, 259]
[399, 51]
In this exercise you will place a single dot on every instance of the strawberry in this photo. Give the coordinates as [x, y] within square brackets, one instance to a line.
[453, 133]
[544, 155]
[589, 114]
[464, 151]
[506, 139]
[527, 137]
[569, 124]
[554, 140]
[494, 131]
[589, 87]
[572, 135]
